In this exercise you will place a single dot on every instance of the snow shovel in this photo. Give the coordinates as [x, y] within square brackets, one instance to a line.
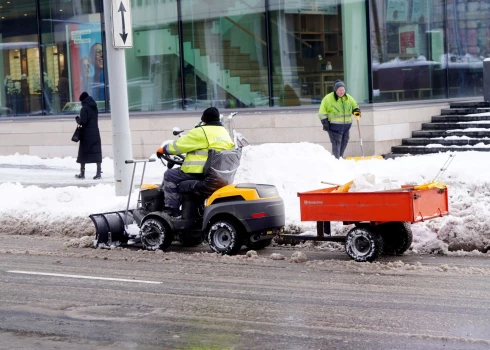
[357, 115]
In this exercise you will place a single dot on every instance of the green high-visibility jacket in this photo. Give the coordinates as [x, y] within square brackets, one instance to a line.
[338, 110]
[196, 144]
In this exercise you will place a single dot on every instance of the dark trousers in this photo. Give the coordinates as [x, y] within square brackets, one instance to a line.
[339, 142]
[171, 179]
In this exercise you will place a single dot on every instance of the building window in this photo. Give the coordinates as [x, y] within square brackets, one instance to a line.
[225, 54]
[427, 49]
[315, 43]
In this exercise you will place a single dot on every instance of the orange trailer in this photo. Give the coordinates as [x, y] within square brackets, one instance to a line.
[382, 219]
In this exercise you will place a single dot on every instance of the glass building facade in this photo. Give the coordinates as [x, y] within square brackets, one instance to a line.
[192, 54]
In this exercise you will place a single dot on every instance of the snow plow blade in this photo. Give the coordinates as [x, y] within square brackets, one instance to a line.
[109, 228]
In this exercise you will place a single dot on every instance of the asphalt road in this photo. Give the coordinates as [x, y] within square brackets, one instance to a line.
[193, 299]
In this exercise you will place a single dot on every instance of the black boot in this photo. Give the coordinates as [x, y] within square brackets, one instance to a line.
[98, 176]
[82, 172]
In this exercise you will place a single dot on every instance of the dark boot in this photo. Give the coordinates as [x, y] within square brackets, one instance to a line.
[99, 172]
[82, 172]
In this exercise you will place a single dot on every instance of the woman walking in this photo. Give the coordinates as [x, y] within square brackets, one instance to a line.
[90, 148]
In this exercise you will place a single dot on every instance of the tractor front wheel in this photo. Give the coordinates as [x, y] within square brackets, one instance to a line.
[155, 234]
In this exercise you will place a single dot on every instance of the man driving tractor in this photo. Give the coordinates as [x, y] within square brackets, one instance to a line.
[209, 134]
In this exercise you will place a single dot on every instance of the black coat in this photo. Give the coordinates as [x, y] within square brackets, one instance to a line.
[90, 147]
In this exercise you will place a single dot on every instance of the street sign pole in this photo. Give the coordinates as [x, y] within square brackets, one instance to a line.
[121, 133]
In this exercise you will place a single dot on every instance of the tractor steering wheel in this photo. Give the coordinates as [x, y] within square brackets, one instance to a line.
[173, 159]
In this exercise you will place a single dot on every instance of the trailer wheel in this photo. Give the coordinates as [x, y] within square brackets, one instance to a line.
[257, 245]
[190, 241]
[224, 237]
[155, 234]
[397, 236]
[362, 244]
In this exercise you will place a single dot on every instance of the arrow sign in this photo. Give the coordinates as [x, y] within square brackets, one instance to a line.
[121, 24]
[123, 35]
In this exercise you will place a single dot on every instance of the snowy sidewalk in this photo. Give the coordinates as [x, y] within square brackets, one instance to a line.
[62, 173]
[42, 196]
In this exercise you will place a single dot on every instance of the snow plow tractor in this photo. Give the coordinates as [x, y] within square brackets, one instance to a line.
[233, 216]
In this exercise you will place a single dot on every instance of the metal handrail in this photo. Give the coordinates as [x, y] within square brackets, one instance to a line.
[245, 30]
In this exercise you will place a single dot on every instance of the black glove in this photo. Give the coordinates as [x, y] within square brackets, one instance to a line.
[77, 119]
[326, 124]
[356, 112]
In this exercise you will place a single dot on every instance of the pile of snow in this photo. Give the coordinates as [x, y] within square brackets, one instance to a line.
[51, 208]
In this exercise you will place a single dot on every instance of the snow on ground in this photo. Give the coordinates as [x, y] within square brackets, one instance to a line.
[42, 197]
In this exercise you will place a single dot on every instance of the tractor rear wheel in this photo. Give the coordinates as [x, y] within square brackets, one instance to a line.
[225, 237]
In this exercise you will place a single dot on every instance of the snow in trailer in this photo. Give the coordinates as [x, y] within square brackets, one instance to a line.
[42, 197]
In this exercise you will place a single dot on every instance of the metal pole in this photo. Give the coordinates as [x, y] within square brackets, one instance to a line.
[131, 187]
[117, 82]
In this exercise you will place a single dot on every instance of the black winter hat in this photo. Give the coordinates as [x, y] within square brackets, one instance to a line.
[83, 96]
[210, 115]
[338, 83]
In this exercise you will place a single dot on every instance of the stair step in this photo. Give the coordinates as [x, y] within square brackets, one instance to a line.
[254, 80]
[469, 104]
[253, 66]
[427, 150]
[246, 73]
[463, 111]
[444, 133]
[458, 118]
[444, 142]
[394, 155]
[451, 126]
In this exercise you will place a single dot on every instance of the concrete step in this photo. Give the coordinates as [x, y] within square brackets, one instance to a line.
[463, 111]
[394, 155]
[428, 150]
[469, 104]
[444, 142]
[452, 126]
[458, 118]
[444, 133]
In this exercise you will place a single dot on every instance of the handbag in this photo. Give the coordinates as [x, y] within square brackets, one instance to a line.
[77, 134]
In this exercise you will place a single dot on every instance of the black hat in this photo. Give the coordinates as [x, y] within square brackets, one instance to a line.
[83, 96]
[210, 115]
[338, 83]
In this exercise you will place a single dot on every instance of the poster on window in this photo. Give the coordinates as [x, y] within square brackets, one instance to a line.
[397, 11]
[86, 60]
[408, 40]
[420, 11]
[312, 7]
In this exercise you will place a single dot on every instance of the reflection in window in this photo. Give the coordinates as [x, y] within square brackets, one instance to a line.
[18, 40]
[72, 58]
[225, 54]
[308, 55]
[153, 63]
[409, 59]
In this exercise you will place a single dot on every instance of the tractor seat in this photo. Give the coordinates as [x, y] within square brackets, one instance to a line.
[195, 187]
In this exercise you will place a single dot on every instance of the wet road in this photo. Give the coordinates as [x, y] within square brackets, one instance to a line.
[192, 299]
